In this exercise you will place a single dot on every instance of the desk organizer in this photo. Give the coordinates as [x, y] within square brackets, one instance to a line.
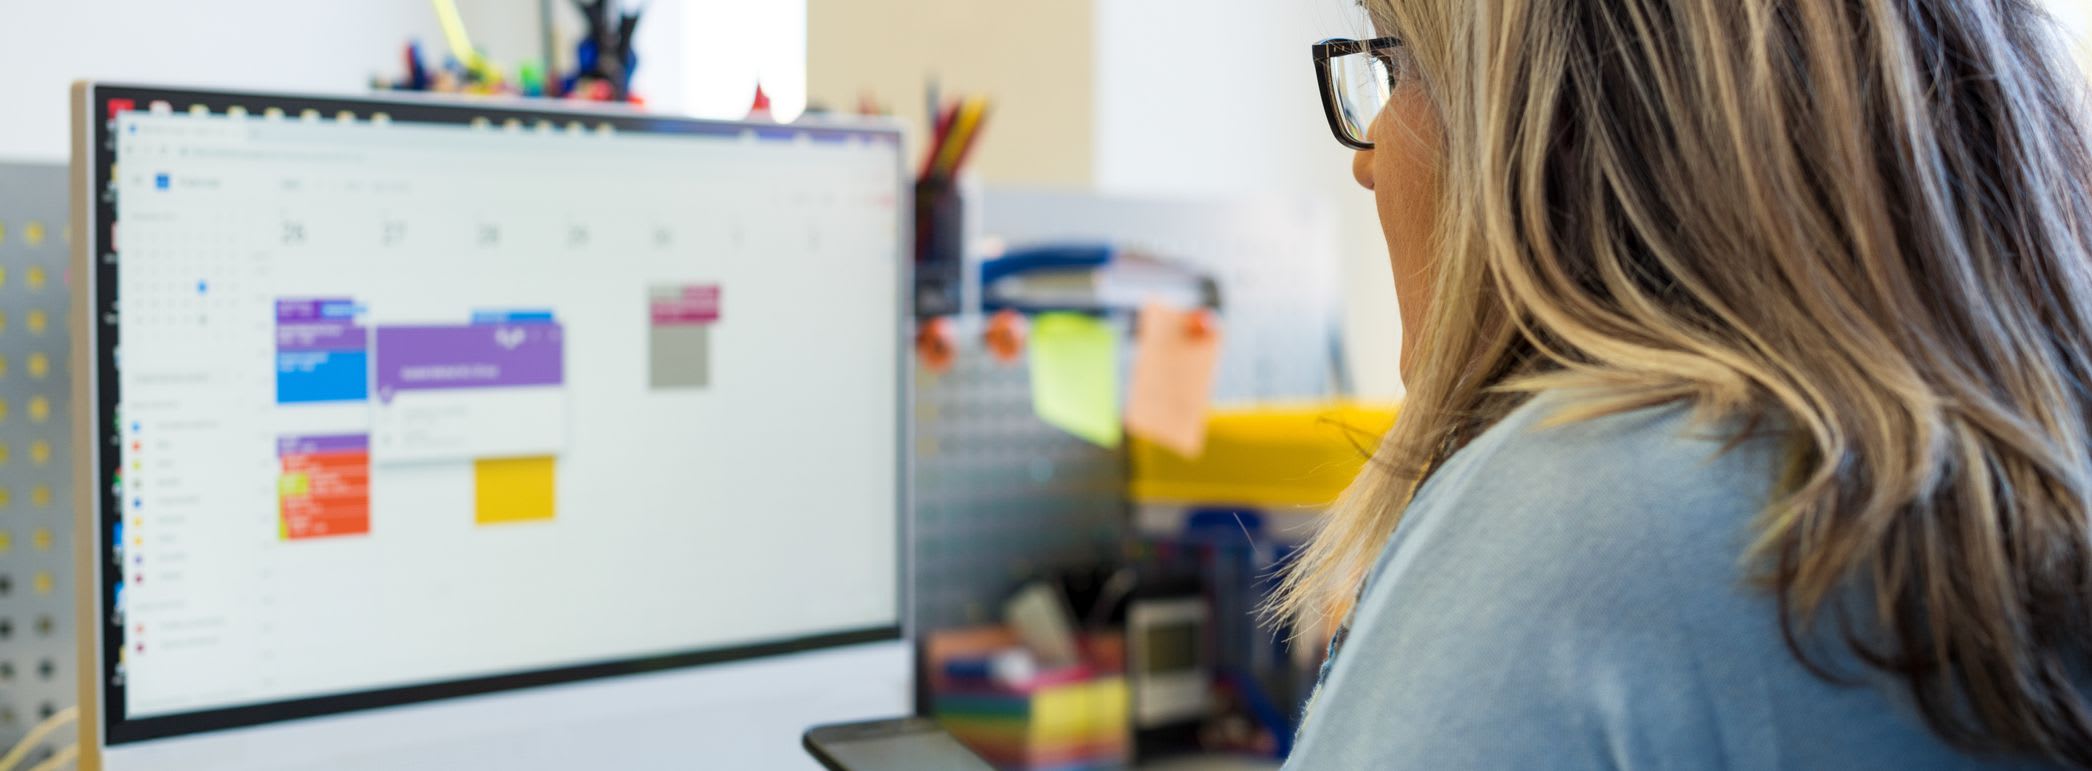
[1076, 718]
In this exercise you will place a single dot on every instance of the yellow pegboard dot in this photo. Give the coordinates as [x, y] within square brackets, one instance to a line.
[3, 366]
[39, 409]
[44, 583]
[7, 542]
[6, 453]
[39, 366]
[37, 321]
[7, 496]
[3, 410]
[39, 452]
[40, 495]
[33, 233]
[41, 539]
[3, 282]
[34, 277]
[3, 232]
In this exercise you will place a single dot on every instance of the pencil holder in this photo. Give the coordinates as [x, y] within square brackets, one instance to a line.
[940, 246]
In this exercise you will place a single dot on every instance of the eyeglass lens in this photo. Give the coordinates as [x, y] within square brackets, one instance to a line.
[1362, 82]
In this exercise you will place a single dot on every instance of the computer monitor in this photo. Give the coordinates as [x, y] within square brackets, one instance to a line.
[389, 408]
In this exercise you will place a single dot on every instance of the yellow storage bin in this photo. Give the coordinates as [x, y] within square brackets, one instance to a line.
[1270, 457]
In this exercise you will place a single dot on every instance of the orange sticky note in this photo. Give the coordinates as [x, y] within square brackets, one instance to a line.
[1174, 355]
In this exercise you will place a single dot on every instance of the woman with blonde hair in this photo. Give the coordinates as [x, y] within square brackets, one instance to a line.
[1749, 354]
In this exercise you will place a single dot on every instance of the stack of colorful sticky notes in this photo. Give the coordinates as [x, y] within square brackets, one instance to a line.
[1073, 723]
[1020, 718]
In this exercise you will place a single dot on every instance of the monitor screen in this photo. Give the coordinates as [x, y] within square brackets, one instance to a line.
[396, 401]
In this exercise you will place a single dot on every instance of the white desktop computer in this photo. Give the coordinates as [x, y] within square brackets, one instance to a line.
[422, 434]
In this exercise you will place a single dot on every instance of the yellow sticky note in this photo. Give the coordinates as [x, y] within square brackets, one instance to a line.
[513, 489]
[1075, 376]
[1174, 353]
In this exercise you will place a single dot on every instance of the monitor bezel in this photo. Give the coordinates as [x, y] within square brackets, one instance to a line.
[95, 376]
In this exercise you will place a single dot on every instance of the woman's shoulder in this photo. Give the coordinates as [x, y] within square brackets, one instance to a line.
[1666, 450]
[1617, 483]
[1554, 576]
[1574, 595]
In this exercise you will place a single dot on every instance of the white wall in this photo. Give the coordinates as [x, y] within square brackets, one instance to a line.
[2075, 15]
[704, 57]
[259, 44]
[696, 56]
[1217, 97]
[2076, 18]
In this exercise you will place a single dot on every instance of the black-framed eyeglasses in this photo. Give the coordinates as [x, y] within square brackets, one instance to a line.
[1357, 76]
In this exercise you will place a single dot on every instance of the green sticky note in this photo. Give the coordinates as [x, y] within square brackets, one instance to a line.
[1075, 376]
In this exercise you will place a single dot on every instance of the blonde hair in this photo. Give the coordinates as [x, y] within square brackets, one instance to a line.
[1863, 222]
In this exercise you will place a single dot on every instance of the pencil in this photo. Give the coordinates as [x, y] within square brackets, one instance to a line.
[973, 137]
[962, 127]
[935, 144]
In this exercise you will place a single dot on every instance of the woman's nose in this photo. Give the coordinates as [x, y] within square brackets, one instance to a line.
[1362, 161]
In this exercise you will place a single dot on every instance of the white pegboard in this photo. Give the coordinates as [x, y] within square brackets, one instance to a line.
[37, 655]
[1001, 496]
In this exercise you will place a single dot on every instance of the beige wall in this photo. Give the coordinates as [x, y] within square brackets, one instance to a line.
[1034, 58]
